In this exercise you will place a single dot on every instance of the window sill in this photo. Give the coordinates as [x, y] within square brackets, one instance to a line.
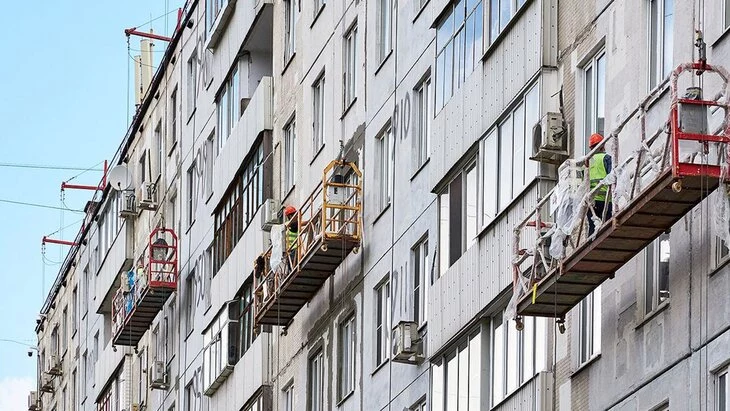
[379, 367]
[383, 61]
[316, 154]
[514, 392]
[208, 197]
[420, 11]
[317, 14]
[421, 167]
[188, 334]
[382, 213]
[172, 148]
[348, 107]
[718, 267]
[650, 316]
[720, 38]
[586, 364]
[288, 192]
[345, 398]
[659, 91]
[187, 230]
[288, 62]
[502, 34]
[190, 116]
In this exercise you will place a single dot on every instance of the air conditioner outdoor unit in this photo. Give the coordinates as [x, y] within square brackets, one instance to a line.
[148, 196]
[33, 403]
[159, 376]
[407, 343]
[129, 204]
[47, 385]
[550, 140]
[54, 367]
[270, 214]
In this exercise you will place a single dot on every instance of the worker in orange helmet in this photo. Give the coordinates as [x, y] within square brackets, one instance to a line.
[598, 168]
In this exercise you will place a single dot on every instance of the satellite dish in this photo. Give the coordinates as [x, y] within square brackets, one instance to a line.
[120, 178]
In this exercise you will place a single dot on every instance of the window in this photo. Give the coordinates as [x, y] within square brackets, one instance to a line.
[189, 397]
[721, 252]
[420, 281]
[228, 106]
[661, 40]
[255, 405]
[192, 193]
[142, 382]
[346, 374]
[516, 355]
[209, 156]
[84, 374]
[385, 165]
[172, 207]
[590, 326]
[190, 302]
[192, 82]
[208, 278]
[385, 25]
[290, 27]
[218, 358]
[160, 146]
[75, 310]
[64, 330]
[458, 216]
[238, 206]
[143, 167]
[74, 385]
[290, 152]
[594, 97]
[656, 279]
[245, 318]
[506, 167]
[351, 66]
[501, 12]
[423, 122]
[458, 47]
[456, 377]
[318, 117]
[289, 398]
[63, 399]
[382, 323]
[55, 343]
[722, 391]
[317, 384]
[172, 139]
[420, 406]
[212, 10]
[94, 355]
[86, 292]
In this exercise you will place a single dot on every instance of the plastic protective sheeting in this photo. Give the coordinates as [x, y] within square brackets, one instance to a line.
[569, 193]
[277, 246]
[510, 313]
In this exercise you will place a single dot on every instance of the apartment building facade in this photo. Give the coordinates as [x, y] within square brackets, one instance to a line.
[436, 102]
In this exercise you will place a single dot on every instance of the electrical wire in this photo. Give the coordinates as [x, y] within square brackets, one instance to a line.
[85, 170]
[64, 227]
[23, 203]
[47, 167]
[156, 18]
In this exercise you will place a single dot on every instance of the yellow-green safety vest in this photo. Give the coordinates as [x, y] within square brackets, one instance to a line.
[291, 239]
[598, 172]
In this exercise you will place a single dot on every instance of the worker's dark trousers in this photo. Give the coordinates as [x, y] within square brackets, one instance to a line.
[599, 206]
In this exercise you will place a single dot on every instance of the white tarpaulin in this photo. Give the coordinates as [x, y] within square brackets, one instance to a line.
[277, 246]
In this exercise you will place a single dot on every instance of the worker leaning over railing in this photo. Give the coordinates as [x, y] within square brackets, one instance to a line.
[599, 167]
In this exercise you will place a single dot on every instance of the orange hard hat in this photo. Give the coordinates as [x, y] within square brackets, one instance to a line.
[289, 210]
[595, 139]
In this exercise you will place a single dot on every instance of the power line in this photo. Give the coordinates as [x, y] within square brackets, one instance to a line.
[39, 205]
[47, 167]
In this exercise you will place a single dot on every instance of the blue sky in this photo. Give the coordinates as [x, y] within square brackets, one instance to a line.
[63, 80]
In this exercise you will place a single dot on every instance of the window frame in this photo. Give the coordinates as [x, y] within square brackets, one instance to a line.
[289, 138]
[424, 93]
[382, 321]
[289, 396]
[385, 29]
[318, 114]
[347, 356]
[385, 166]
[590, 316]
[658, 68]
[192, 189]
[515, 6]
[721, 394]
[316, 367]
[652, 299]
[467, 235]
[192, 65]
[349, 68]
[421, 280]
[591, 112]
[458, 354]
[290, 30]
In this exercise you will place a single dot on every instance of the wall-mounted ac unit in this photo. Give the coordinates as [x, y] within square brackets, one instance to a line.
[129, 204]
[47, 384]
[407, 343]
[148, 196]
[270, 214]
[550, 140]
[158, 375]
[33, 403]
[54, 366]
